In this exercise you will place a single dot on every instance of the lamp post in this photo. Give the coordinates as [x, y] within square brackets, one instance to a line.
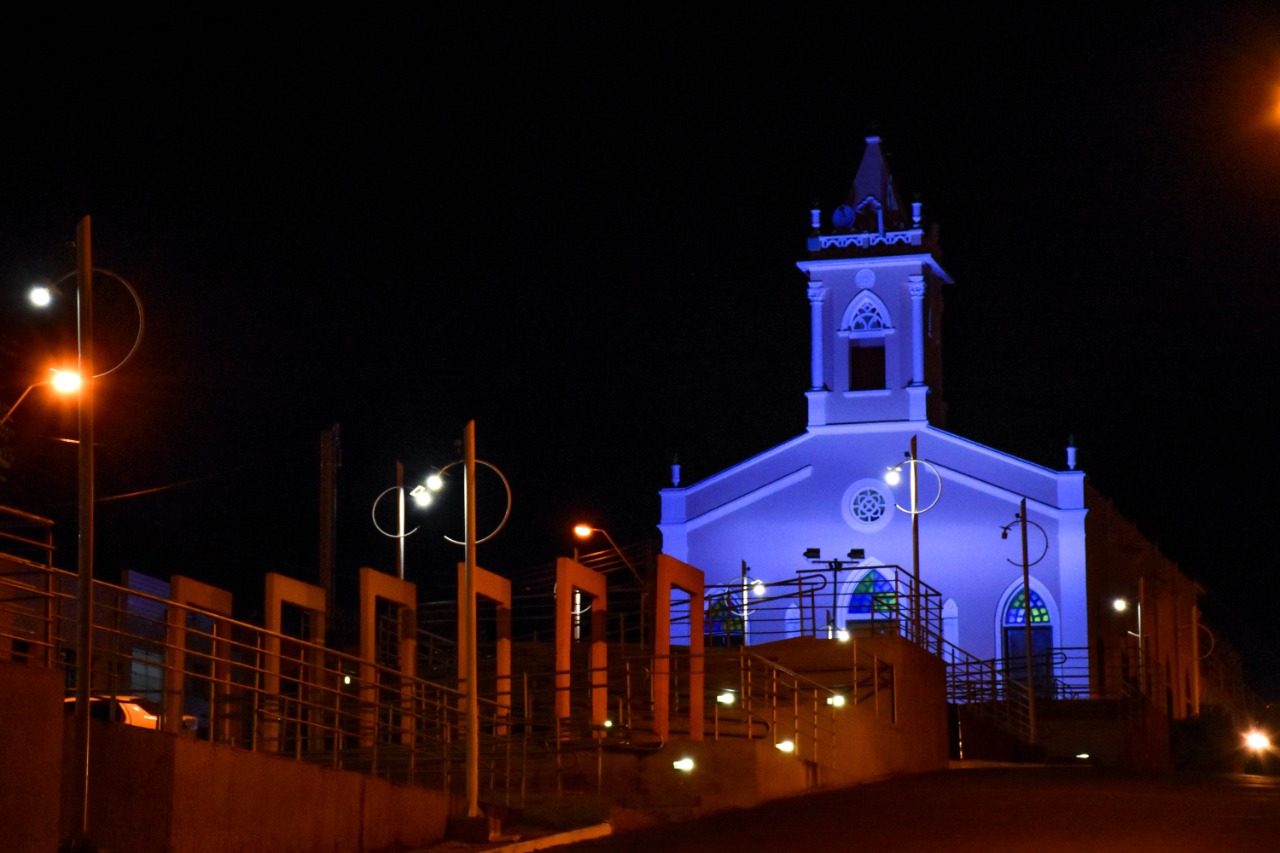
[1121, 605]
[41, 296]
[756, 586]
[893, 476]
[1022, 521]
[422, 495]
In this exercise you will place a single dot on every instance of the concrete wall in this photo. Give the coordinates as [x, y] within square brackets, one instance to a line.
[905, 734]
[30, 756]
[156, 791]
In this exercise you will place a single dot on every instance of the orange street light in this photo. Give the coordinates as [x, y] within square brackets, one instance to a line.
[63, 381]
[584, 531]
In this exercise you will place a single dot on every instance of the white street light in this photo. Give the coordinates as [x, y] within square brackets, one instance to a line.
[467, 617]
[421, 494]
[893, 476]
[1121, 605]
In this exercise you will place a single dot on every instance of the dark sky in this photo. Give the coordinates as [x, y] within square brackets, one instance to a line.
[580, 230]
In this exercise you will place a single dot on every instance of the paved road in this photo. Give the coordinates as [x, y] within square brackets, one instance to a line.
[1042, 809]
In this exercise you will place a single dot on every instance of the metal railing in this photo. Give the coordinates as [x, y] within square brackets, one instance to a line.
[240, 684]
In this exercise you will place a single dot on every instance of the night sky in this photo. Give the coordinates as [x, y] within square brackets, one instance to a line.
[580, 230]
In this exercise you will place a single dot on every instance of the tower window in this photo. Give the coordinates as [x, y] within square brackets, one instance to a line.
[866, 364]
[866, 318]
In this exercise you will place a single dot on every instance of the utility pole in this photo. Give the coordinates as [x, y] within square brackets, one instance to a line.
[1026, 623]
[330, 461]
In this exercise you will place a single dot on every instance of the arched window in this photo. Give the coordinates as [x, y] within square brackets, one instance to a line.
[951, 627]
[1016, 612]
[873, 596]
[867, 318]
[865, 324]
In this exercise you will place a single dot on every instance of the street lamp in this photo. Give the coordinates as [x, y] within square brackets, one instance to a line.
[83, 276]
[422, 495]
[893, 476]
[584, 531]
[62, 381]
[1022, 521]
[1121, 605]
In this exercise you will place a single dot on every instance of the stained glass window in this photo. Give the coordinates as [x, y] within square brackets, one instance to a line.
[1016, 612]
[874, 591]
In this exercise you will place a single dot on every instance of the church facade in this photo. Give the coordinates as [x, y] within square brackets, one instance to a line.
[948, 535]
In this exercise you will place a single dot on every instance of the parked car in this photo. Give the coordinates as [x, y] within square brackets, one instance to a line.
[130, 710]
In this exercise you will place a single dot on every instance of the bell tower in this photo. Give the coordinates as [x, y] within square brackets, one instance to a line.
[875, 306]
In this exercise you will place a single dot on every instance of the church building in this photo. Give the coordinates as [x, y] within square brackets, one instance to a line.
[948, 534]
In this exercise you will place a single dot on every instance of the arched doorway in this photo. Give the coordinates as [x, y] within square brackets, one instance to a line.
[1014, 636]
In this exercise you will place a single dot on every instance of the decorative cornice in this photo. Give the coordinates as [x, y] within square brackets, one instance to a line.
[912, 237]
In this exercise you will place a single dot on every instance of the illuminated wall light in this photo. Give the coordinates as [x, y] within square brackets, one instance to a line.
[842, 635]
[684, 764]
[1257, 741]
[725, 698]
[608, 724]
[1083, 756]
[785, 746]
[836, 701]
